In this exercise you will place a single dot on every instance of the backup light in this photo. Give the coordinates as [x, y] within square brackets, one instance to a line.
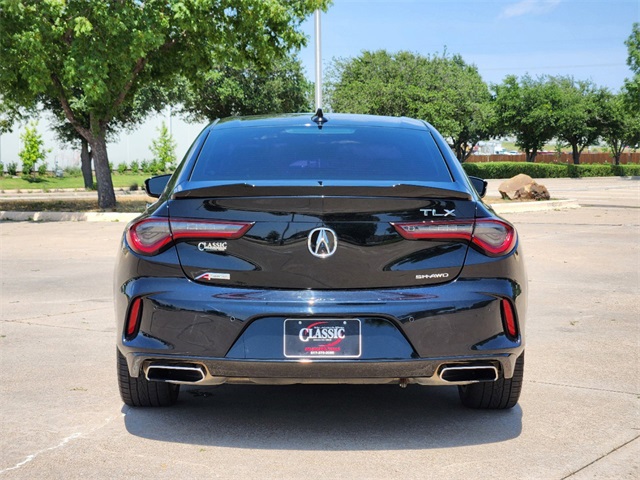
[186, 229]
[150, 236]
[435, 230]
[493, 237]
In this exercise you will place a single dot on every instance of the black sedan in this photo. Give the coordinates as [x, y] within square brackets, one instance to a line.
[320, 249]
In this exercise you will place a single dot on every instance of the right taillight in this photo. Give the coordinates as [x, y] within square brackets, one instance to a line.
[152, 235]
[493, 237]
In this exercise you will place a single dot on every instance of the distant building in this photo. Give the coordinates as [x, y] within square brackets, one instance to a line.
[133, 145]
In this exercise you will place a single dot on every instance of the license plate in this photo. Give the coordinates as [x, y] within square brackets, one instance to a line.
[322, 338]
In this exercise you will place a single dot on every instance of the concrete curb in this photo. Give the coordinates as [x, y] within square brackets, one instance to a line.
[500, 208]
[517, 207]
[36, 191]
[67, 216]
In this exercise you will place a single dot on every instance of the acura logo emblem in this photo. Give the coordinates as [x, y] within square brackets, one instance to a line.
[322, 242]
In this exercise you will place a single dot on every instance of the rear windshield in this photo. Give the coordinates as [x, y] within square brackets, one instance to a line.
[330, 153]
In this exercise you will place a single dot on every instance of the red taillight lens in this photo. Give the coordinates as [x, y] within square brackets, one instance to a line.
[151, 235]
[509, 319]
[133, 320]
[493, 237]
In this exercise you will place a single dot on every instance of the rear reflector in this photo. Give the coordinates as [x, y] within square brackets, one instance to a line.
[152, 235]
[509, 319]
[133, 320]
[493, 237]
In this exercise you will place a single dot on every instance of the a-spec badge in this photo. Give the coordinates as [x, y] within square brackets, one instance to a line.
[214, 276]
[432, 212]
[212, 246]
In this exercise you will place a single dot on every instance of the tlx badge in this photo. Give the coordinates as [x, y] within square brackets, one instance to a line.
[432, 212]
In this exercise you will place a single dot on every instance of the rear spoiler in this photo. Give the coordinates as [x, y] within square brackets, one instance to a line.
[314, 189]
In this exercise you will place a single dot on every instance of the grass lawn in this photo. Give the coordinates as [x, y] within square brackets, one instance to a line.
[123, 205]
[52, 183]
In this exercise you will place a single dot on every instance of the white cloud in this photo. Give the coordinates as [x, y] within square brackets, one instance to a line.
[533, 7]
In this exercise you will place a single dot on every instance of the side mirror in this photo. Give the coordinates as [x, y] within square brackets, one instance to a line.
[154, 186]
[480, 185]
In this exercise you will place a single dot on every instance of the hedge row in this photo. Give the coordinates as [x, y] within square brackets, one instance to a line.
[545, 170]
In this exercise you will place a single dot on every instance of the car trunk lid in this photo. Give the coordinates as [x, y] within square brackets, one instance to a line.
[318, 235]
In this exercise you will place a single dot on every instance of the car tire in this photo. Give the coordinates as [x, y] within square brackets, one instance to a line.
[140, 392]
[501, 394]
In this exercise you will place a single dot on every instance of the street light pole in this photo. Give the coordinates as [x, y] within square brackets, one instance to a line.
[318, 61]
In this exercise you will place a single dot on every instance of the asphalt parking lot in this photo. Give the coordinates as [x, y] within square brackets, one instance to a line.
[578, 417]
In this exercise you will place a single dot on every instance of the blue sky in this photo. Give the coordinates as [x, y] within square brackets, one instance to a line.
[582, 38]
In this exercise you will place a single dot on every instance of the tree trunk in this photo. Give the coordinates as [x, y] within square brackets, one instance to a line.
[106, 195]
[464, 151]
[531, 155]
[616, 149]
[85, 164]
[575, 153]
[457, 149]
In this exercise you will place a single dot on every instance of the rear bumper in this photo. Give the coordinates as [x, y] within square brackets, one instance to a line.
[182, 322]
[435, 371]
[235, 334]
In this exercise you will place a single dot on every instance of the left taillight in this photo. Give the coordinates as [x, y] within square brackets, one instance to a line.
[150, 236]
[492, 236]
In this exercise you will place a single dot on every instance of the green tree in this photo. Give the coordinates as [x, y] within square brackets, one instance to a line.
[442, 90]
[578, 117]
[632, 85]
[32, 151]
[149, 98]
[526, 108]
[620, 125]
[67, 134]
[93, 57]
[12, 113]
[163, 149]
[228, 91]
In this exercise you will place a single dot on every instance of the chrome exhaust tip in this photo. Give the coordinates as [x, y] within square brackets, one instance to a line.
[469, 374]
[175, 374]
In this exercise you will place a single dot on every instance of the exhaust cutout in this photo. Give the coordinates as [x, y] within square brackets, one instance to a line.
[469, 374]
[175, 374]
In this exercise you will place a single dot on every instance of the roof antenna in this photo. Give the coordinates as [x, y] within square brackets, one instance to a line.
[319, 118]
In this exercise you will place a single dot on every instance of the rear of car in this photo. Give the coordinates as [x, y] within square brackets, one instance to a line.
[338, 249]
